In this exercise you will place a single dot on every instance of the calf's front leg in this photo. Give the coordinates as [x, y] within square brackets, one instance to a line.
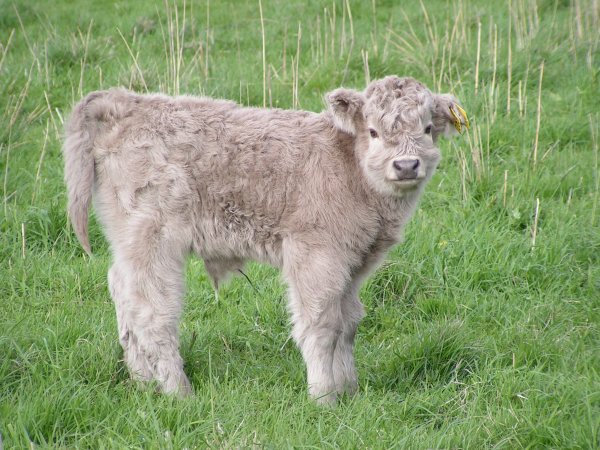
[344, 370]
[316, 292]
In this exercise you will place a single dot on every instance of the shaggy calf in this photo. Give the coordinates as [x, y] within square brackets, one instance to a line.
[321, 196]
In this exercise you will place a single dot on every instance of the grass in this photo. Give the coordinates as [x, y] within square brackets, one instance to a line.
[483, 328]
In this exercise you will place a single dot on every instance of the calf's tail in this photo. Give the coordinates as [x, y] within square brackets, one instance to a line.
[87, 120]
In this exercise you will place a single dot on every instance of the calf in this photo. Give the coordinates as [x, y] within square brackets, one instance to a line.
[321, 196]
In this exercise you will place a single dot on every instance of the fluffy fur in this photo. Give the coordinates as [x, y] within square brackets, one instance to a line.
[316, 195]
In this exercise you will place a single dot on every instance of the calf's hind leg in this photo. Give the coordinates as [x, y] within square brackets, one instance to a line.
[146, 284]
[133, 355]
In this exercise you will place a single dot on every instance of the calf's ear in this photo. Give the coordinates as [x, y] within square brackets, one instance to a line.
[448, 116]
[346, 106]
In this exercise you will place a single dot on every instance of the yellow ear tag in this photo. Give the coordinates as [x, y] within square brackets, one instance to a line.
[457, 123]
[464, 114]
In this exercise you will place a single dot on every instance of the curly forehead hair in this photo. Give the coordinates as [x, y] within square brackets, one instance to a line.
[395, 103]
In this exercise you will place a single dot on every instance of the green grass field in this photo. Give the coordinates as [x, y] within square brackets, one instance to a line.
[483, 328]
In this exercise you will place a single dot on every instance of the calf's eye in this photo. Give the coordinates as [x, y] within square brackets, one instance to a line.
[428, 129]
[373, 133]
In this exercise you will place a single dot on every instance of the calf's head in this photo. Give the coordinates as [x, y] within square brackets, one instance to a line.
[396, 123]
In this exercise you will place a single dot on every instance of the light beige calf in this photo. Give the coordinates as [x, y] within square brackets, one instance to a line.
[322, 196]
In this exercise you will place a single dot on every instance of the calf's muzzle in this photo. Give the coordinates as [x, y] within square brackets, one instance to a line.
[407, 169]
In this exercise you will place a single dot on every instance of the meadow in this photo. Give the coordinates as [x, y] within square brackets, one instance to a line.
[482, 328]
